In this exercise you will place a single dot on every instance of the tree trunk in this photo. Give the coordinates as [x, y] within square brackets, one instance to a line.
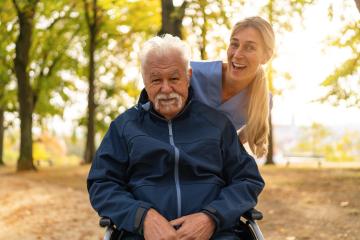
[25, 93]
[171, 18]
[1, 136]
[90, 138]
[204, 27]
[357, 2]
[270, 154]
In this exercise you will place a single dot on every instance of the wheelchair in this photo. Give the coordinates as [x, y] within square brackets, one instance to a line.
[246, 229]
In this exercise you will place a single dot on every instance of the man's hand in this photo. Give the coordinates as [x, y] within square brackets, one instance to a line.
[156, 227]
[197, 226]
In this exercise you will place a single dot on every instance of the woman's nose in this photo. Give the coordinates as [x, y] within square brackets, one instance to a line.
[238, 53]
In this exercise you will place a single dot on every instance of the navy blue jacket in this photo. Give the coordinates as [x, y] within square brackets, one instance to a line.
[190, 164]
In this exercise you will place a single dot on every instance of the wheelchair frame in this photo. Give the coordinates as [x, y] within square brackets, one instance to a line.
[250, 218]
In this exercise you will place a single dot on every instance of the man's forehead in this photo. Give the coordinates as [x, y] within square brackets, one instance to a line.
[161, 71]
[164, 66]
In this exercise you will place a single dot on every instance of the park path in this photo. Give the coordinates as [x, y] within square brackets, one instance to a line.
[298, 204]
[47, 205]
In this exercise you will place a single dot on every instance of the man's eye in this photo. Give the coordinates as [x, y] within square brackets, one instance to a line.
[174, 79]
[155, 81]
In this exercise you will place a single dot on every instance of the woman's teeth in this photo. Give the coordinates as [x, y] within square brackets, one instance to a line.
[238, 66]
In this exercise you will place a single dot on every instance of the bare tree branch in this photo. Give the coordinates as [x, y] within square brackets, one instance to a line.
[16, 7]
[86, 10]
[60, 18]
[43, 75]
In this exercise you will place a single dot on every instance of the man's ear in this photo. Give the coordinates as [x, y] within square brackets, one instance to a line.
[189, 75]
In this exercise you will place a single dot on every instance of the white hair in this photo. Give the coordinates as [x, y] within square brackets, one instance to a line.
[162, 46]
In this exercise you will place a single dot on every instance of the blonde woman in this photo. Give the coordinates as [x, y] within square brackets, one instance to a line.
[238, 88]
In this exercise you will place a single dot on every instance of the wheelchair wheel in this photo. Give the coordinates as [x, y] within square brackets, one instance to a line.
[116, 235]
[244, 231]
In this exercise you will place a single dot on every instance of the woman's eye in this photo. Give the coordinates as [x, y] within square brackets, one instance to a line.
[249, 48]
[234, 45]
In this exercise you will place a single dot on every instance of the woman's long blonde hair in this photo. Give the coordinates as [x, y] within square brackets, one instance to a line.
[256, 130]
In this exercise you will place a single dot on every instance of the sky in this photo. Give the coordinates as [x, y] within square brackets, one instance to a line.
[303, 54]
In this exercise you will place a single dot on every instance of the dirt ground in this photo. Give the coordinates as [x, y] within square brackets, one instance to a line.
[298, 204]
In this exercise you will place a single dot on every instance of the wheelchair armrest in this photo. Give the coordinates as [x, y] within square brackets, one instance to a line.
[253, 214]
[105, 222]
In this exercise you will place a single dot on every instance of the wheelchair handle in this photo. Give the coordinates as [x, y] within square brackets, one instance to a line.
[253, 214]
[105, 222]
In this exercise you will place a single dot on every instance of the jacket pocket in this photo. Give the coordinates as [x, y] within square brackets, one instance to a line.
[162, 197]
[196, 196]
[202, 157]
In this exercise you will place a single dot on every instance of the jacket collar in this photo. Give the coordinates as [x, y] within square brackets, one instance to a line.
[145, 104]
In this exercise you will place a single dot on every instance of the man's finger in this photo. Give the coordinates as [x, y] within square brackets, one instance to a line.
[177, 221]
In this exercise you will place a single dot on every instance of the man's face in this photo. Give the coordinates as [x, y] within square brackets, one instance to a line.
[166, 83]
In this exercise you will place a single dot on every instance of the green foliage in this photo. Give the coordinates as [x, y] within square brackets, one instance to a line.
[345, 149]
[344, 82]
[205, 16]
[54, 33]
[279, 13]
[122, 27]
[7, 52]
[317, 140]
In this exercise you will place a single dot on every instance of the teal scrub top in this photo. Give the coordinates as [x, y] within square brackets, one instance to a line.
[207, 84]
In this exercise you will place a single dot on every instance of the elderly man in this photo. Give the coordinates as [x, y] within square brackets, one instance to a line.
[172, 167]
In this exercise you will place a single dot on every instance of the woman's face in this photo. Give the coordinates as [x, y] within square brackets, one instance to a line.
[245, 55]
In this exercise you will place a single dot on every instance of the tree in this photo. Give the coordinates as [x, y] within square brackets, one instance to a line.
[26, 13]
[343, 83]
[313, 140]
[278, 15]
[110, 39]
[40, 56]
[204, 16]
[171, 18]
[7, 91]
[54, 35]
[357, 2]
[207, 16]
[92, 22]
[319, 141]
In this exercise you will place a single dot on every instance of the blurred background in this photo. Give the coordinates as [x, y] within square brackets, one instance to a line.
[67, 68]
[75, 68]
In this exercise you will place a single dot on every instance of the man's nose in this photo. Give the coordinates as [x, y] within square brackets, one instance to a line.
[165, 87]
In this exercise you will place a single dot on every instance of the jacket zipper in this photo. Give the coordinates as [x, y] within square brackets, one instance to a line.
[176, 170]
[177, 153]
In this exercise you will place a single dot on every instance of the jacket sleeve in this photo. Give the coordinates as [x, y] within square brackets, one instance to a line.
[107, 184]
[243, 183]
